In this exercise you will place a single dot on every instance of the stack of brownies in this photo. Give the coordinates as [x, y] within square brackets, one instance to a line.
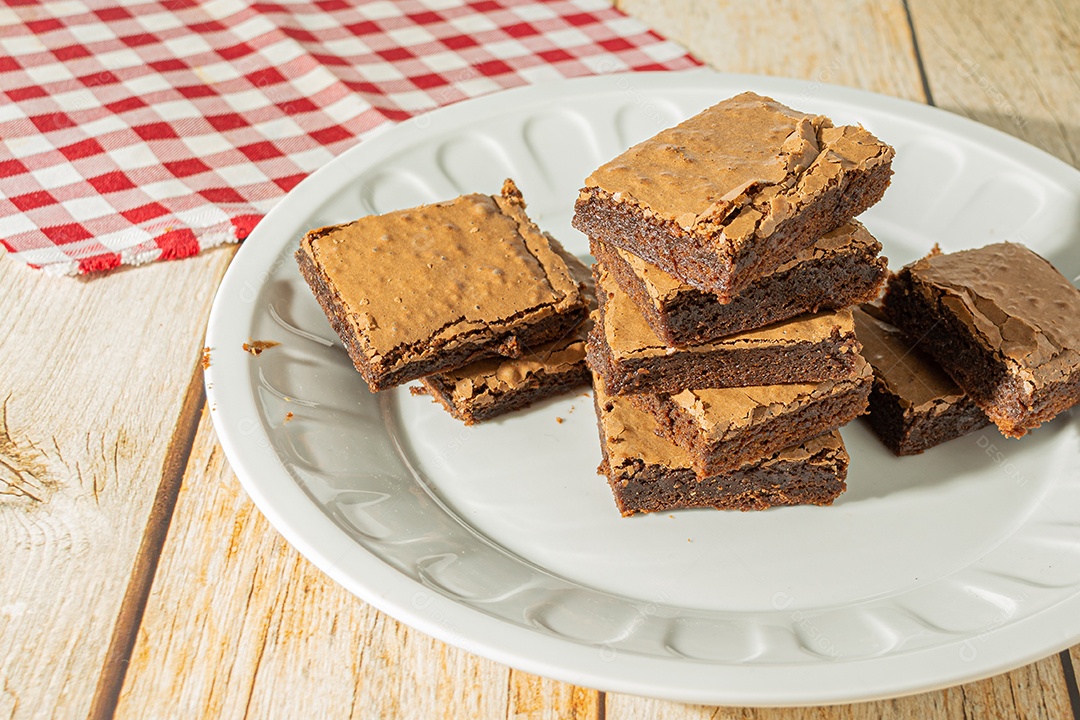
[723, 351]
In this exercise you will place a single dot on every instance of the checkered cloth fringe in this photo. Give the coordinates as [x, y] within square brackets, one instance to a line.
[141, 131]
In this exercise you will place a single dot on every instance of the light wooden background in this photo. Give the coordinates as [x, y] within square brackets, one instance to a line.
[137, 580]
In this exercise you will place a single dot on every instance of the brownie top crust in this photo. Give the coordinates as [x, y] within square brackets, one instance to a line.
[504, 375]
[905, 371]
[432, 273]
[629, 335]
[501, 375]
[1016, 302]
[631, 437]
[850, 237]
[741, 167]
[721, 411]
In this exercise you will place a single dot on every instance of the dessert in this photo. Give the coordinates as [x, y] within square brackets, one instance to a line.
[722, 429]
[490, 387]
[914, 404]
[842, 268]
[648, 473]
[733, 192]
[487, 388]
[632, 359]
[423, 290]
[1002, 322]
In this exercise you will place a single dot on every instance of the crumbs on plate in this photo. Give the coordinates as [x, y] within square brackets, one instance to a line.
[255, 347]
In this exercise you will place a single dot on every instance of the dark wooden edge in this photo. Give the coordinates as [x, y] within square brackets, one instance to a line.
[129, 618]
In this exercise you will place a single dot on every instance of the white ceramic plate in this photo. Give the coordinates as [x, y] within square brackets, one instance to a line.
[501, 539]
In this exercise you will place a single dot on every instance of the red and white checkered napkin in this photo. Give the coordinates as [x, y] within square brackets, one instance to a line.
[141, 131]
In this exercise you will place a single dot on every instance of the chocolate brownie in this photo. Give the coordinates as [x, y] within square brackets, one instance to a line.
[735, 191]
[914, 404]
[722, 429]
[842, 268]
[1003, 322]
[485, 389]
[419, 291]
[632, 359]
[648, 473]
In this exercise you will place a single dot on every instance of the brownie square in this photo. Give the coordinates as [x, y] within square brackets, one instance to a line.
[735, 191]
[1002, 322]
[842, 268]
[487, 388]
[722, 429]
[632, 359]
[419, 291]
[914, 404]
[648, 473]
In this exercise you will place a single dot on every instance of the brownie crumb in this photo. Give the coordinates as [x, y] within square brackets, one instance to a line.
[255, 347]
[559, 420]
[418, 390]
[205, 357]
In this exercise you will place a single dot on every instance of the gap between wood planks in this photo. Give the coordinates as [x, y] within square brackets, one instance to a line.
[1070, 682]
[133, 604]
[918, 57]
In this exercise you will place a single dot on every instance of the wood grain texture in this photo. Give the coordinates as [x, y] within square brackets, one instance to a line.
[861, 43]
[1035, 691]
[1013, 66]
[95, 373]
[111, 679]
[240, 625]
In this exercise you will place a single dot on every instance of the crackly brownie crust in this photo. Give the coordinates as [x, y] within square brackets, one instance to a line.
[723, 429]
[842, 268]
[1002, 322]
[488, 388]
[647, 473]
[914, 404]
[632, 359]
[423, 290]
[733, 192]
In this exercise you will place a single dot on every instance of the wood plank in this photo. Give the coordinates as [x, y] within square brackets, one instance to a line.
[239, 624]
[861, 43]
[1035, 691]
[1013, 66]
[142, 573]
[95, 374]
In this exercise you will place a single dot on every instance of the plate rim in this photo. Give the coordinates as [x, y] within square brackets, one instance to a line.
[385, 588]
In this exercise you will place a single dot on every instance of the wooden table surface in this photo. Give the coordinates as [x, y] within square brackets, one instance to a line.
[138, 581]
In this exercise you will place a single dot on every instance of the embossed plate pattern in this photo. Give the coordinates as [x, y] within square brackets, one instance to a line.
[501, 538]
